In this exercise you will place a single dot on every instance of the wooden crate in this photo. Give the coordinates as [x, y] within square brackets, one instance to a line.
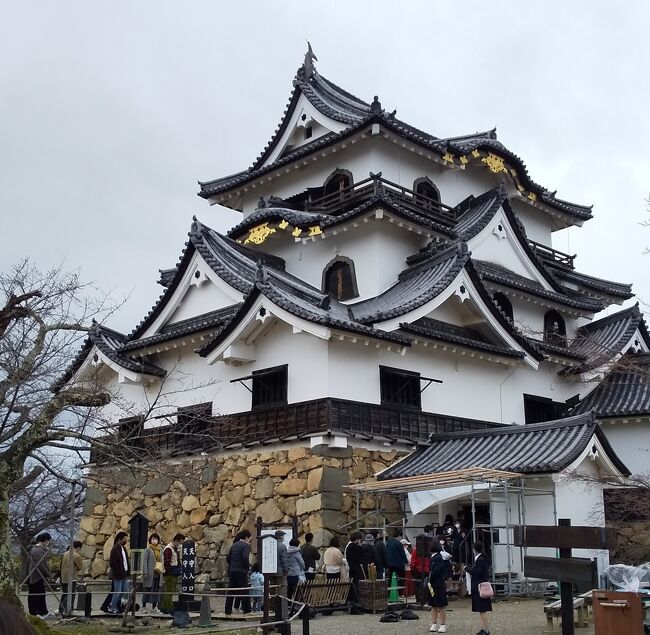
[373, 595]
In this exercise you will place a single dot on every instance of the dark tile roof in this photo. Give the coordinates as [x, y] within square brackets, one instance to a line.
[601, 340]
[528, 449]
[210, 321]
[166, 276]
[624, 392]
[556, 350]
[314, 306]
[462, 336]
[304, 220]
[478, 212]
[109, 342]
[344, 107]
[417, 285]
[500, 275]
[590, 283]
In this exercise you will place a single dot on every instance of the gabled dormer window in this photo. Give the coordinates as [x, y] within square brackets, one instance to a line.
[399, 387]
[426, 193]
[339, 279]
[337, 183]
[504, 305]
[270, 386]
[309, 131]
[554, 328]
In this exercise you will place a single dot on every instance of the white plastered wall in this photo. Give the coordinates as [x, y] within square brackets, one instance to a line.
[630, 439]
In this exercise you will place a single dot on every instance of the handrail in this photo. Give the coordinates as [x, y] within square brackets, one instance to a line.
[375, 185]
[554, 254]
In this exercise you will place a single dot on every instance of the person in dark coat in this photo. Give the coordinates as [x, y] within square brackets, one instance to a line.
[238, 560]
[310, 555]
[480, 572]
[396, 558]
[380, 553]
[367, 554]
[440, 571]
[38, 574]
[353, 557]
[120, 570]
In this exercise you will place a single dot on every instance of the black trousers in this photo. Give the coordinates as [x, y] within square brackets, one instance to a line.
[63, 605]
[36, 599]
[238, 579]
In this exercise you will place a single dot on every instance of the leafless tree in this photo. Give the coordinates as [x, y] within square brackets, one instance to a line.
[44, 318]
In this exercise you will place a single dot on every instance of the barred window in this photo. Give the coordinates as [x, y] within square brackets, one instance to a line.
[399, 387]
[270, 386]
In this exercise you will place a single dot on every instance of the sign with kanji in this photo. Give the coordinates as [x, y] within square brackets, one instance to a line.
[188, 562]
[269, 554]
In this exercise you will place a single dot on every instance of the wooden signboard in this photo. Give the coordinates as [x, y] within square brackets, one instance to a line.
[580, 571]
[572, 537]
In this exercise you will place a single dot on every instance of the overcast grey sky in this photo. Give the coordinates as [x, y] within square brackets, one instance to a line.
[111, 111]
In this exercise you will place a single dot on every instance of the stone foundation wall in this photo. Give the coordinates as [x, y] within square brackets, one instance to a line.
[633, 545]
[210, 499]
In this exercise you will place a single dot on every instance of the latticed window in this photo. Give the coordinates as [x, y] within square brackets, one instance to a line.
[504, 305]
[399, 387]
[270, 386]
[339, 280]
[337, 182]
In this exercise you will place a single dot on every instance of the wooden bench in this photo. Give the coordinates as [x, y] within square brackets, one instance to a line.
[328, 595]
[554, 610]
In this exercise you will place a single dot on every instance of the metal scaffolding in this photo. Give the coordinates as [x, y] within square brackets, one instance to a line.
[495, 487]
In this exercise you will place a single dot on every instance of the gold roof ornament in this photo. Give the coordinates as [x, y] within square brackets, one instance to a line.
[296, 232]
[259, 234]
[283, 224]
[448, 156]
[494, 163]
[315, 230]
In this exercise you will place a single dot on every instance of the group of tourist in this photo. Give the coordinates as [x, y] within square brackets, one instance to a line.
[161, 568]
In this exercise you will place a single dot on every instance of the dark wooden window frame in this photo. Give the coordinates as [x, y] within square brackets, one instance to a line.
[425, 180]
[270, 387]
[339, 172]
[408, 395]
[539, 409]
[352, 289]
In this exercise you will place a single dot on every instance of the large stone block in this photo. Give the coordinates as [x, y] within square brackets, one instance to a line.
[239, 478]
[269, 511]
[217, 534]
[255, 470]
[322, 538]
[234, 516]
[183, 520]
[281, 469]
[327, 479]
[295, 454]
[157, 486]
[327, 519]
[190, 502]
[325, 500]
[291, 487]
[264, 488]
[98, 567]
[236, 495]
[288, 505]
[94, 497]
[308, 464]
[90, 524]
[197, 516]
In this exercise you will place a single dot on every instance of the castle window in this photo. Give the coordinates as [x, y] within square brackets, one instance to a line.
[399, 387]
[338, 182]
[270, 386]
[504, 304]
[339, 279]
[426, 193]
[554, 328]
[191, 422]
[538, 409]
[309, 131]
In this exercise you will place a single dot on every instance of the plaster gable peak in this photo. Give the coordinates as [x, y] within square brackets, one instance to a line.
[498, 244]
[239, 345]
[637, 343]
[96, 360]
[468, 302]
[199, 291]
[592, 462]
[304, 115]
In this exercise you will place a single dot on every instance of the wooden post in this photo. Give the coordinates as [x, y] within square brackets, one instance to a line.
[566, 589]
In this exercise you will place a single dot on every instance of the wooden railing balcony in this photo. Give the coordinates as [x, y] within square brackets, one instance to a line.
[554, 255]
[376, 185]
[290, 421]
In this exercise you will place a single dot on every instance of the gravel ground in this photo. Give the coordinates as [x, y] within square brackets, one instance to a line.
[525, 617]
